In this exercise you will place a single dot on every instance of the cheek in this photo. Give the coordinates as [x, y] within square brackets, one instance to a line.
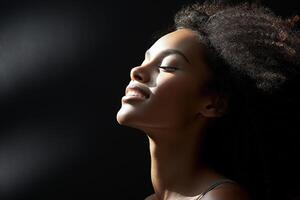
[176, 93]
[171, 104]
[181, 84]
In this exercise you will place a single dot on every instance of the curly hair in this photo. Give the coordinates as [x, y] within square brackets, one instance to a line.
[254, 55]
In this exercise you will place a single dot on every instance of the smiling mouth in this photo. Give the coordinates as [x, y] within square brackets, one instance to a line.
[136, 93]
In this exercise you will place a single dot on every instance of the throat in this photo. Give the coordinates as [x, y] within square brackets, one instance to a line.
[173, 168]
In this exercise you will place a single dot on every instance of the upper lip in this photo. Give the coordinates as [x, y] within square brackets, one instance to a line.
[138, 88]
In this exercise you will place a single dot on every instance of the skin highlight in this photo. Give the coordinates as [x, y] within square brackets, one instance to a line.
[176, 115]
[219, 84]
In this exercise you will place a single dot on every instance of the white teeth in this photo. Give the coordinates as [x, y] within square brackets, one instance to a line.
[134, 93]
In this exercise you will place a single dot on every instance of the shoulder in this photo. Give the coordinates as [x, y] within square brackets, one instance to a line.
[151, 197]
[227, 192]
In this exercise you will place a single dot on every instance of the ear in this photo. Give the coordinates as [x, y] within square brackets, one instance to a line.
[213, 106]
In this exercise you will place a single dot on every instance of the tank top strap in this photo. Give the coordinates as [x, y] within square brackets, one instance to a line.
[215, 184]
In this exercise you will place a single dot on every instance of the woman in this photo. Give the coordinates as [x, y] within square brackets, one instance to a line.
[200, 96]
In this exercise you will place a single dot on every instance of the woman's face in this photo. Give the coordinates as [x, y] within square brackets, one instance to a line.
[172, 75]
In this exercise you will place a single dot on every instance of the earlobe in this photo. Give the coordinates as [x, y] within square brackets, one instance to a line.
[214, 107]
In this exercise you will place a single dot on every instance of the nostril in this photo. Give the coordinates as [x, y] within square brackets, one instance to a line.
[140, 73]
[138, 77]
[136, 74]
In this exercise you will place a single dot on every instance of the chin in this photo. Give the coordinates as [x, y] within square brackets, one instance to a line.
[125, 118]
[129, 119]
[121, 119]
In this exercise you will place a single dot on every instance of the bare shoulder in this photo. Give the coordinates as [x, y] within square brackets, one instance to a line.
[151, 197]
[227, 192]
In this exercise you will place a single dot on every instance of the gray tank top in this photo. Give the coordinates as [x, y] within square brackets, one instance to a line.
[211, 187]
[215, 184]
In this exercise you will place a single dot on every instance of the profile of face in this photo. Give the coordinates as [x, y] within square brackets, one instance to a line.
[167, 91]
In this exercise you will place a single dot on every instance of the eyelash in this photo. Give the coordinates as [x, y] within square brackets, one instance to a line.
[166, 68]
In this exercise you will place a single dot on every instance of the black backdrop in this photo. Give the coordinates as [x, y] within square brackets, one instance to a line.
[64, 66]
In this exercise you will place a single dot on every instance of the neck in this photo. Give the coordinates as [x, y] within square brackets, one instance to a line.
[175, 164]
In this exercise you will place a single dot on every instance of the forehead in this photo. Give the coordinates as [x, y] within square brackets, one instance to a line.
[184, 40]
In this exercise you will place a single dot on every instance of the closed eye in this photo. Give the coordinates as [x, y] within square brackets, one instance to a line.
[167, 68]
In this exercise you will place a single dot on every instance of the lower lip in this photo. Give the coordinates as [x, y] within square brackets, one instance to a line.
[133, 98]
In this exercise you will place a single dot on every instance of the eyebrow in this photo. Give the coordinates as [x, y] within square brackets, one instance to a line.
[169, 52]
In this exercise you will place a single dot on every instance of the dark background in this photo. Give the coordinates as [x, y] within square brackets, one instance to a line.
[64, 66]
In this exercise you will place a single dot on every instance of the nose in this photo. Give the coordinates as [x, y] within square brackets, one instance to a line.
[140, 74]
